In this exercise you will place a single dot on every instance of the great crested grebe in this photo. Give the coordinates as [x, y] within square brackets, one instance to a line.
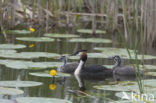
[92, 71]
[123, 70]
[67, 67]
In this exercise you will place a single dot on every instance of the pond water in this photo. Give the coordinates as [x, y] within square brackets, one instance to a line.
[63, 46]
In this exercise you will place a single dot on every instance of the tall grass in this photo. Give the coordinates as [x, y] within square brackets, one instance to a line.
[131, 28]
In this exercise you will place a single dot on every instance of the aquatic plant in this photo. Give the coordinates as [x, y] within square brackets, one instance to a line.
[53, 72]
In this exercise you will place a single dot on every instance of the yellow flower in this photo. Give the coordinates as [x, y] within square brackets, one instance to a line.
[52, 86]
[53, 72]
[9, 17]
[32, 29]
[31, 45]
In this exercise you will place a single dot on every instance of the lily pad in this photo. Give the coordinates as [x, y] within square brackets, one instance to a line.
[109, 66]
[36, 39]
[128, 86]
[19, 83]
[6, 101]
[109, 52]
[150, 83]
[122, 101]
[90, 31]
[21, 64]
[40, 100]
[29, 55]
[91, 55]
[148, 66]
[4, 52]
[117, 87]
[42, 74]
[122, 94]
[11, 46]
[91, 40]
[9, 91]
[61, 35]
[18, 32]
[151, 73]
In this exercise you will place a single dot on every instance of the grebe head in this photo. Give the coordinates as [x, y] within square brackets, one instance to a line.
[78, 52]
[117, 60]
[83, 56]
[63, 59]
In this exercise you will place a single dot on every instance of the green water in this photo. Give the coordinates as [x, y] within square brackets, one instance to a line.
[62, 46]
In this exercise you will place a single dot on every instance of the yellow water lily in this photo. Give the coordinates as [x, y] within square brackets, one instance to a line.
[32, 29]
[53, 72]
[9, 17]
[52, 86]
[31, 45]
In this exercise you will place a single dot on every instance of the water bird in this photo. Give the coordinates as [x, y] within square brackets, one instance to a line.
[123, 70]
[67, 67]
[92, 71]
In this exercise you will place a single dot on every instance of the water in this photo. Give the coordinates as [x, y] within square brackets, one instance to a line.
[62, 46]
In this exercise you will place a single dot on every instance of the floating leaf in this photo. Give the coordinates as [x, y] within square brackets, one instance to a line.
[74, 57]
[29, 55]
[149, 85]
[148, 66]
[109, 52]
[122, 94]
[150, 82]
[21, 64]
[122, 101]
[117, 87]
[11, 46]
[5, 52]
[91, 40]
[40, 100]
[6, 101]
[36, 39]
[109, 66]
[151, 73]
[91, 55]
[61, 35]
[90, 31]
[144, 56]
[96, 55]
[19, 83]
[109, 49]
[18, 32]
[9, 91]
[42, 74]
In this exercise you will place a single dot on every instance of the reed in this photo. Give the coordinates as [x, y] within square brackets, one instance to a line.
[131, 28]
[134, 11]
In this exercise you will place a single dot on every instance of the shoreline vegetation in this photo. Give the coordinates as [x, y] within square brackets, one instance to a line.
[109, 15]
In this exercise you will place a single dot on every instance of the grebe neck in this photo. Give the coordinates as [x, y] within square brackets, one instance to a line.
[78, 69]
[77, 73]
[64, 62]
[117, 64]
